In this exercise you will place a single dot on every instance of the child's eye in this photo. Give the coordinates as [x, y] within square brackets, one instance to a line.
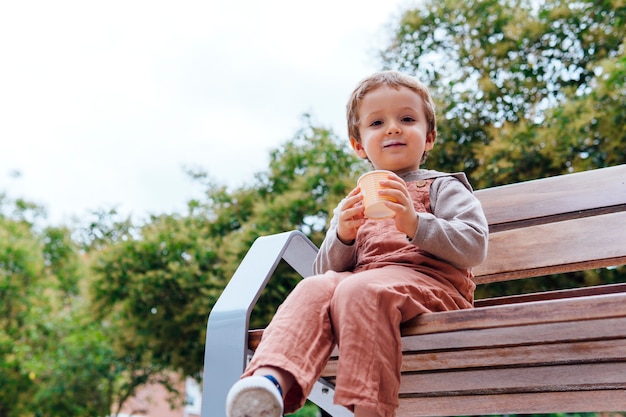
[408, 119]
[376, 123]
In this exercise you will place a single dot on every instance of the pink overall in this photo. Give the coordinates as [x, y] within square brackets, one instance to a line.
[361, 312]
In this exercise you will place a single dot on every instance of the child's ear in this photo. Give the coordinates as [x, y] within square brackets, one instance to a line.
[430, 139]
[358, 148]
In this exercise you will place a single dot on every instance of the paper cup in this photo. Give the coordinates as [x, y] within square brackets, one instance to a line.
[375, 204]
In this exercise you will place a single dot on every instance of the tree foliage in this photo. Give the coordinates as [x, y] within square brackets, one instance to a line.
[21, 273]
[56, 358]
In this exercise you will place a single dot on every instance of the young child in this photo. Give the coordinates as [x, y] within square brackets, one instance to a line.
[372, 274]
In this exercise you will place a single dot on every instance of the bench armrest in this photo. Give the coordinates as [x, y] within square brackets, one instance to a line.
[227, 328]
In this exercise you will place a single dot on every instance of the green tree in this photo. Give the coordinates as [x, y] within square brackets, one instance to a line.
[21, 270]
[157, 289]
[55, 359]
[71, 361]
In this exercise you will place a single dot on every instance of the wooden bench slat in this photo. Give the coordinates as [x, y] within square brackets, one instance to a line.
[523, 379]
[557, 353]
[526, 403]
[552, 295]
[584, 308]
[586, 243]
[517, 335]
[556, 195]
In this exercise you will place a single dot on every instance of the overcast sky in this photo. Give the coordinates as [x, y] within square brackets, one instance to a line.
[103, 103]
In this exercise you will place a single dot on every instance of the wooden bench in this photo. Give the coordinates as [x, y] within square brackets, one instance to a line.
[555, 351]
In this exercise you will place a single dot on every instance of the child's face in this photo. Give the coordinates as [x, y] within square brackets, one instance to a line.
[394, 130]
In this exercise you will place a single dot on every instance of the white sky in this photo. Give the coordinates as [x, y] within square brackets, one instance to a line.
[103, 103]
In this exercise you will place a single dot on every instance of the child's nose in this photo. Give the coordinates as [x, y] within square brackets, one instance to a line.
[393, 128]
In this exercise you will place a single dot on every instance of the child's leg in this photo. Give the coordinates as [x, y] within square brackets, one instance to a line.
[299, 340]
[365, 412]
[367, 310]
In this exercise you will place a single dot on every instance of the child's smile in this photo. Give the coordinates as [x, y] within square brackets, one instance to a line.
[393, 144]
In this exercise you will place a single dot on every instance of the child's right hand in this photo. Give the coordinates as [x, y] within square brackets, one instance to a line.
[351, 216]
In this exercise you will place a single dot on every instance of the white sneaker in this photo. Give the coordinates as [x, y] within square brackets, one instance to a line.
[254, 396]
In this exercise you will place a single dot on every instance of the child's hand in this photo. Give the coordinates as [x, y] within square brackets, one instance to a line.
[406, 216]
[350, 216]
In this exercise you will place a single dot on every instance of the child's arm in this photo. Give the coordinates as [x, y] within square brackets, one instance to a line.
[457, 230]
[338, 252]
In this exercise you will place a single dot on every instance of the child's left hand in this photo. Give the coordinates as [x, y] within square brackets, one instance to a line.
[406, 216]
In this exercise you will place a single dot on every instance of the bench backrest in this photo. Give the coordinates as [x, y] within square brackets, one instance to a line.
[555, 225]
